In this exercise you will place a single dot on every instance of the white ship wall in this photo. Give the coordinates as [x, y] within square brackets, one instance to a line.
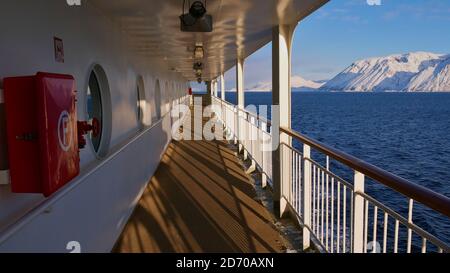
[94, 208]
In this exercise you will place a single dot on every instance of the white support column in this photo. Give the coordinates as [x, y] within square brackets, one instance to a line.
[216, 88]
[263, 154]
[240, 83]
[282, 36]
[358, 216]
[222, 86]
[240, 97]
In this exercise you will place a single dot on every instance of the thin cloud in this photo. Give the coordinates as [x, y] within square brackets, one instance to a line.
[341, 14]
[425, 10]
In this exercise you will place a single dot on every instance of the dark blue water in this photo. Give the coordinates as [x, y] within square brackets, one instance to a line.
[407, 134]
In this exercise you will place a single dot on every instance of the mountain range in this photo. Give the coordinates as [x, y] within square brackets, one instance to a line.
[418, 71]
[298, 84]
[411, 72]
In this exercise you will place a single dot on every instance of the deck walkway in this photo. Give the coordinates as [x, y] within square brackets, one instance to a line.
[200, 200]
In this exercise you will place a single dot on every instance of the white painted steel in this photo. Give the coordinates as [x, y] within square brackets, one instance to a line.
[222, 86]
[307, 197]
[240, 28]
[89, 187]
[410, 221]
[282, 38]
[358, 217]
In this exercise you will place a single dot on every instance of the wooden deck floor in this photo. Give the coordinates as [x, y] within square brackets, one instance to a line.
[200, 200]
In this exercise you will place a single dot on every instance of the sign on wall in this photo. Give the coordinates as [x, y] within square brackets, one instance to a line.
[59, 50]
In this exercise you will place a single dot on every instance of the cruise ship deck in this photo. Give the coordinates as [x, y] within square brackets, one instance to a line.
[100, 169]
[201, 200]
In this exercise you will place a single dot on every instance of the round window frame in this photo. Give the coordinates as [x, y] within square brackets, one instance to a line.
[141, 112]
[105, 96]
[158, 100]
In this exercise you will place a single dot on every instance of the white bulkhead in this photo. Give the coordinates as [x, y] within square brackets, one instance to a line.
[93, 208]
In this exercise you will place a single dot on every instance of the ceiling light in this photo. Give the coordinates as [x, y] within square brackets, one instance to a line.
[196, 20]
[198, 65]
[197, 10]
[199, 53]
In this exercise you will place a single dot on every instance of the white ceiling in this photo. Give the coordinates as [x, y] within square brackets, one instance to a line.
[240, 28]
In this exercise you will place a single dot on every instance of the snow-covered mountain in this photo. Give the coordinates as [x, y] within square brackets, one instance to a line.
[298, 84]
[418, 71]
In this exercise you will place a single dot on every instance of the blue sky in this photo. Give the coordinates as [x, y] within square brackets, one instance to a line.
[344, 31]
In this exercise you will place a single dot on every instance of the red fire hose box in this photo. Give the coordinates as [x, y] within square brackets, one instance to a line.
[42, 134]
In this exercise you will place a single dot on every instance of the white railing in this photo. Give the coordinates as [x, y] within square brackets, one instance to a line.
[338, 215]
[251, 132]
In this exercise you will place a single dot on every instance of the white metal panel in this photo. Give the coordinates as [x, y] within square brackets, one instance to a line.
[93, 209]
[89, 37]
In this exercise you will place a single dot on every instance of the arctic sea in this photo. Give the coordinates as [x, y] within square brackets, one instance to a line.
[407, 134]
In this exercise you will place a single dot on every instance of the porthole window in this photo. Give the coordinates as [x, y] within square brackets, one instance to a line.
[141, 101]
[98, 106]
[166, 97]
[94, 107]
[158, 100]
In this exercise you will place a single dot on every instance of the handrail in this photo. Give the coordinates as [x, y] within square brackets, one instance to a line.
[433, 200]
[258, 117]
[433, 239]
[266, 121]
[414, 192]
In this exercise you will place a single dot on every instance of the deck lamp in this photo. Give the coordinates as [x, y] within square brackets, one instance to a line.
[197, 66]
[197, 10]
[199, 52]
[196, 20]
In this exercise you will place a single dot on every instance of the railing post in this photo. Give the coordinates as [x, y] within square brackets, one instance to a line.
[307, 176]
[240, 131]
[236, 119]
[358, 214]
[245, 125]
[253, 141]
[262, 150]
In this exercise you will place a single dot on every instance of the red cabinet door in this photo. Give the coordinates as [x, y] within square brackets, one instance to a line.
[42, 132]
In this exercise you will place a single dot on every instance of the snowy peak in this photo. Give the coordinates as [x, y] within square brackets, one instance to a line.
[261, 87]
[300, 83]
[418, 71]
[297, 83]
